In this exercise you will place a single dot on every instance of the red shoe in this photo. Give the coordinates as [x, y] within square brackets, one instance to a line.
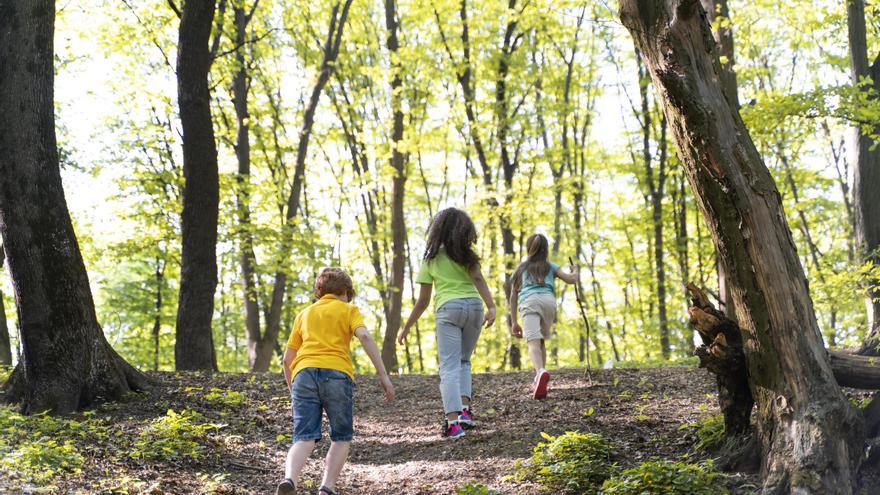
[540, 389]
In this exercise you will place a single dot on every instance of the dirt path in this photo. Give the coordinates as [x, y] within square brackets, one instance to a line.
[398, 448]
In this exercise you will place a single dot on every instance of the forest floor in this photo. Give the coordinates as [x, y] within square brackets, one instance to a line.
[397, 449]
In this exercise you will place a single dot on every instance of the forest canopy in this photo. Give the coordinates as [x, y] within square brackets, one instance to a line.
[533, 116]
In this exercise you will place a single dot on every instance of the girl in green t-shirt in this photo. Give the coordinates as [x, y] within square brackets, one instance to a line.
[451, 265]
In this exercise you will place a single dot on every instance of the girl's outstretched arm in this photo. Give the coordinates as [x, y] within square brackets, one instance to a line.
[419, 308]
[483, 289]
[373, 351]
[512, 303]
[569, 277]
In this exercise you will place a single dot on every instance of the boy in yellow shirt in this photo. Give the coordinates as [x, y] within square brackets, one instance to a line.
[319, 375]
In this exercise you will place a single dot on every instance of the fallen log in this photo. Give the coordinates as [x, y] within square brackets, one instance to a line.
[722, 352]
[855, 371]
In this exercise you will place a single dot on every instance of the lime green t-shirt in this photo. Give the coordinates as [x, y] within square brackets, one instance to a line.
[450, 280]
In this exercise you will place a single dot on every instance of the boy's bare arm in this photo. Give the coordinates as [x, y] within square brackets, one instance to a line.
[289, 356]
[373, 352]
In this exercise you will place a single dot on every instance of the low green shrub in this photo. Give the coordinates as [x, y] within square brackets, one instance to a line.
[711, 433]
[661, 477]
[40, 460]
[572, 462]
[477, 489]
[173, 436]
[224, 399]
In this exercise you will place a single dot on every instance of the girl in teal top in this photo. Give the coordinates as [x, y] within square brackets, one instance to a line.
[452, 267]
[534, 296]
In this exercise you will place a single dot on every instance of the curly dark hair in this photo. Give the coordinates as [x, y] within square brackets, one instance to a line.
[536, 264]
[453, 230]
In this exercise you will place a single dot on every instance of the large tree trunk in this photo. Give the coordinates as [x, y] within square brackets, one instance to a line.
[398, 222]
[724, 45]
[810, 435]
[866, 174]
[66, 362]
[194, 344]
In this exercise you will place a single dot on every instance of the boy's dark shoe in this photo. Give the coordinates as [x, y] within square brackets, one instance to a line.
[286, 487]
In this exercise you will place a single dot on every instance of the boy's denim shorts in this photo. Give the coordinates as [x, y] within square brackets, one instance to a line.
[319, 389]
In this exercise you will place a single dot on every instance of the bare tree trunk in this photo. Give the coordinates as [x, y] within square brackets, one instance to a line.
[810, 435]
[66, 361]
[398, 222]
[866, 173]
[5, 344]
[724, 44]
[194, 343]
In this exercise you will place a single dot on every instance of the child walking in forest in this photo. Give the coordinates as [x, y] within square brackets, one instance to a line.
[319, 374]
[533, 294]
[452, 268]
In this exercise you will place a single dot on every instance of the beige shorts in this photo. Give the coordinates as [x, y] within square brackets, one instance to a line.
[538, 315]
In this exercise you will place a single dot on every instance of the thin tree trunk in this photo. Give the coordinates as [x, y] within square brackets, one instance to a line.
[157, 317]
[194, 343]
[66, 362]
[398, 190]
[338, 19]
[5, 344]
[655, 196]
[866, 173]
[810, 435]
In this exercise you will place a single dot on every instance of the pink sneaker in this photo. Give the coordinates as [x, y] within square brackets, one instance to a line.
[453, 430]
[540, 387]
[466, 419]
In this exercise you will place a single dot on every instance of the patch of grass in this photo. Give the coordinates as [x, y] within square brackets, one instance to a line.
[661, 477]
[572, 462]
[476, 489]
[5, 371]
[173, 436]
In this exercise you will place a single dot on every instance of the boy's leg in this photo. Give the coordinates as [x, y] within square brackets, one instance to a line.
[337, 399]
[449, 354]
[306, 409]
[469, 335]
[333, 463]
[296, 458]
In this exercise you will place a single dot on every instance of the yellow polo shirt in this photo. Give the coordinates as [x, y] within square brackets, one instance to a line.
[322, 335]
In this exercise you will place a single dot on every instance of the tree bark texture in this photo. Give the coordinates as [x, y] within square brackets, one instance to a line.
[194, 344]
[866, 173]
[398, 190]
[5, 344]
[810, 435]
[66, 362]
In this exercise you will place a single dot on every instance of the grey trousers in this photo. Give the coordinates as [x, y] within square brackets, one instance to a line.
[459, 322]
